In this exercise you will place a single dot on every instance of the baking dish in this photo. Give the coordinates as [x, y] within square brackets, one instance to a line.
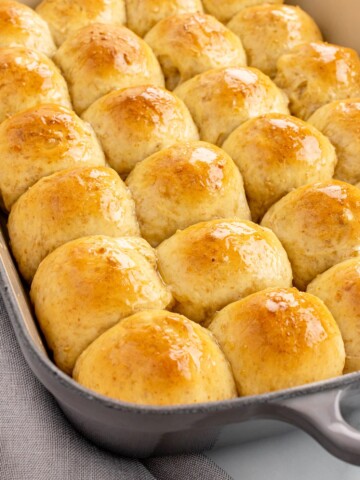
[320, 409]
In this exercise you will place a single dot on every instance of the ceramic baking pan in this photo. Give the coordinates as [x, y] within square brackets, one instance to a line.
[322, 409]
[131, 430]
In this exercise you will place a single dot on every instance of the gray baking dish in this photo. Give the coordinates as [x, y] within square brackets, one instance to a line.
[139, 431]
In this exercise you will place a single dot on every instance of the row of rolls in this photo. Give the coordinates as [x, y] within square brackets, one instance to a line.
[193, 243]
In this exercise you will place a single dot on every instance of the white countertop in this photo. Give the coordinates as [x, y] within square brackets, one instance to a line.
[293, 456]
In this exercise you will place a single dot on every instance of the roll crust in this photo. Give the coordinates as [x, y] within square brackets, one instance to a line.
[269, 31]
[226, 9]
[142, 15]
[191, 43]
[340, 122]
[41, 141]
[212, 264]
[319, 226]
[68, 16]
[277, 154]
[183, 185]
[86, 286]
[222, 99]
[135, 122]
[318, 73]
[67, 205]
[100, 58]
[20, 26]
[29, 78]
[156, 358]
[339, 289]
[277, 339]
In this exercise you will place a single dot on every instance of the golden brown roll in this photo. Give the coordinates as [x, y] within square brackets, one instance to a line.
[192, 43]
[317, 73]
[226, 9]
[156, 358]
[133, 123]
[340, 122]
[183, 185]
[20, 26]
[28, 78]
[67, 205]
[269, 31]
[222, 99]
[212, 264]
[339, 289]
[277, 339]
[142, 15]
[319, 226]
[100, 58]
[276, 154]
[67, 16]
[86, 286]
[40, 141]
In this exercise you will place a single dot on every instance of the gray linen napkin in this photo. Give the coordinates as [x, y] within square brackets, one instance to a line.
[37, 442]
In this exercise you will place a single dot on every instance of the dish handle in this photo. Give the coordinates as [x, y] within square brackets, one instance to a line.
[321, 415]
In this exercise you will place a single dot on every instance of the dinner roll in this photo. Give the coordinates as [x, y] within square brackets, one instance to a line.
[185, 184]
[277, 339]
[339, 289]
[276, 154]
[142, 15]
[191, 43]
[226, 9]
[319, 226]
[317, 73]
[212, 264]
[20, 26]
[340, 122]
[156, 358]
[100, 58]
[220, 100]
[39, 142]
[28, 78]
[86, 286]
[67, 205]
[66, 16]
[133, 123]
[269, 31]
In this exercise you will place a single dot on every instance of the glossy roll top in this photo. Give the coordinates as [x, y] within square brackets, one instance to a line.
[222, 99]
[317, 73]
[269, 31]
[28, 78]
[67, 205]
[142, 15]
[39, 142]
[156, 358]
[212, 264]
[20, 26]
[86, 286]
[276, 154]
[339, 289]
[67, 16]
[226, 9]
[340, 122]
[319, 226]
[100, 58]
[189, 44]
[183, 185]
[134, 123]
[277, 339]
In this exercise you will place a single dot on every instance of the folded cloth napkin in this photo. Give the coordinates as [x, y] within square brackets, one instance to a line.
[37, 442]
